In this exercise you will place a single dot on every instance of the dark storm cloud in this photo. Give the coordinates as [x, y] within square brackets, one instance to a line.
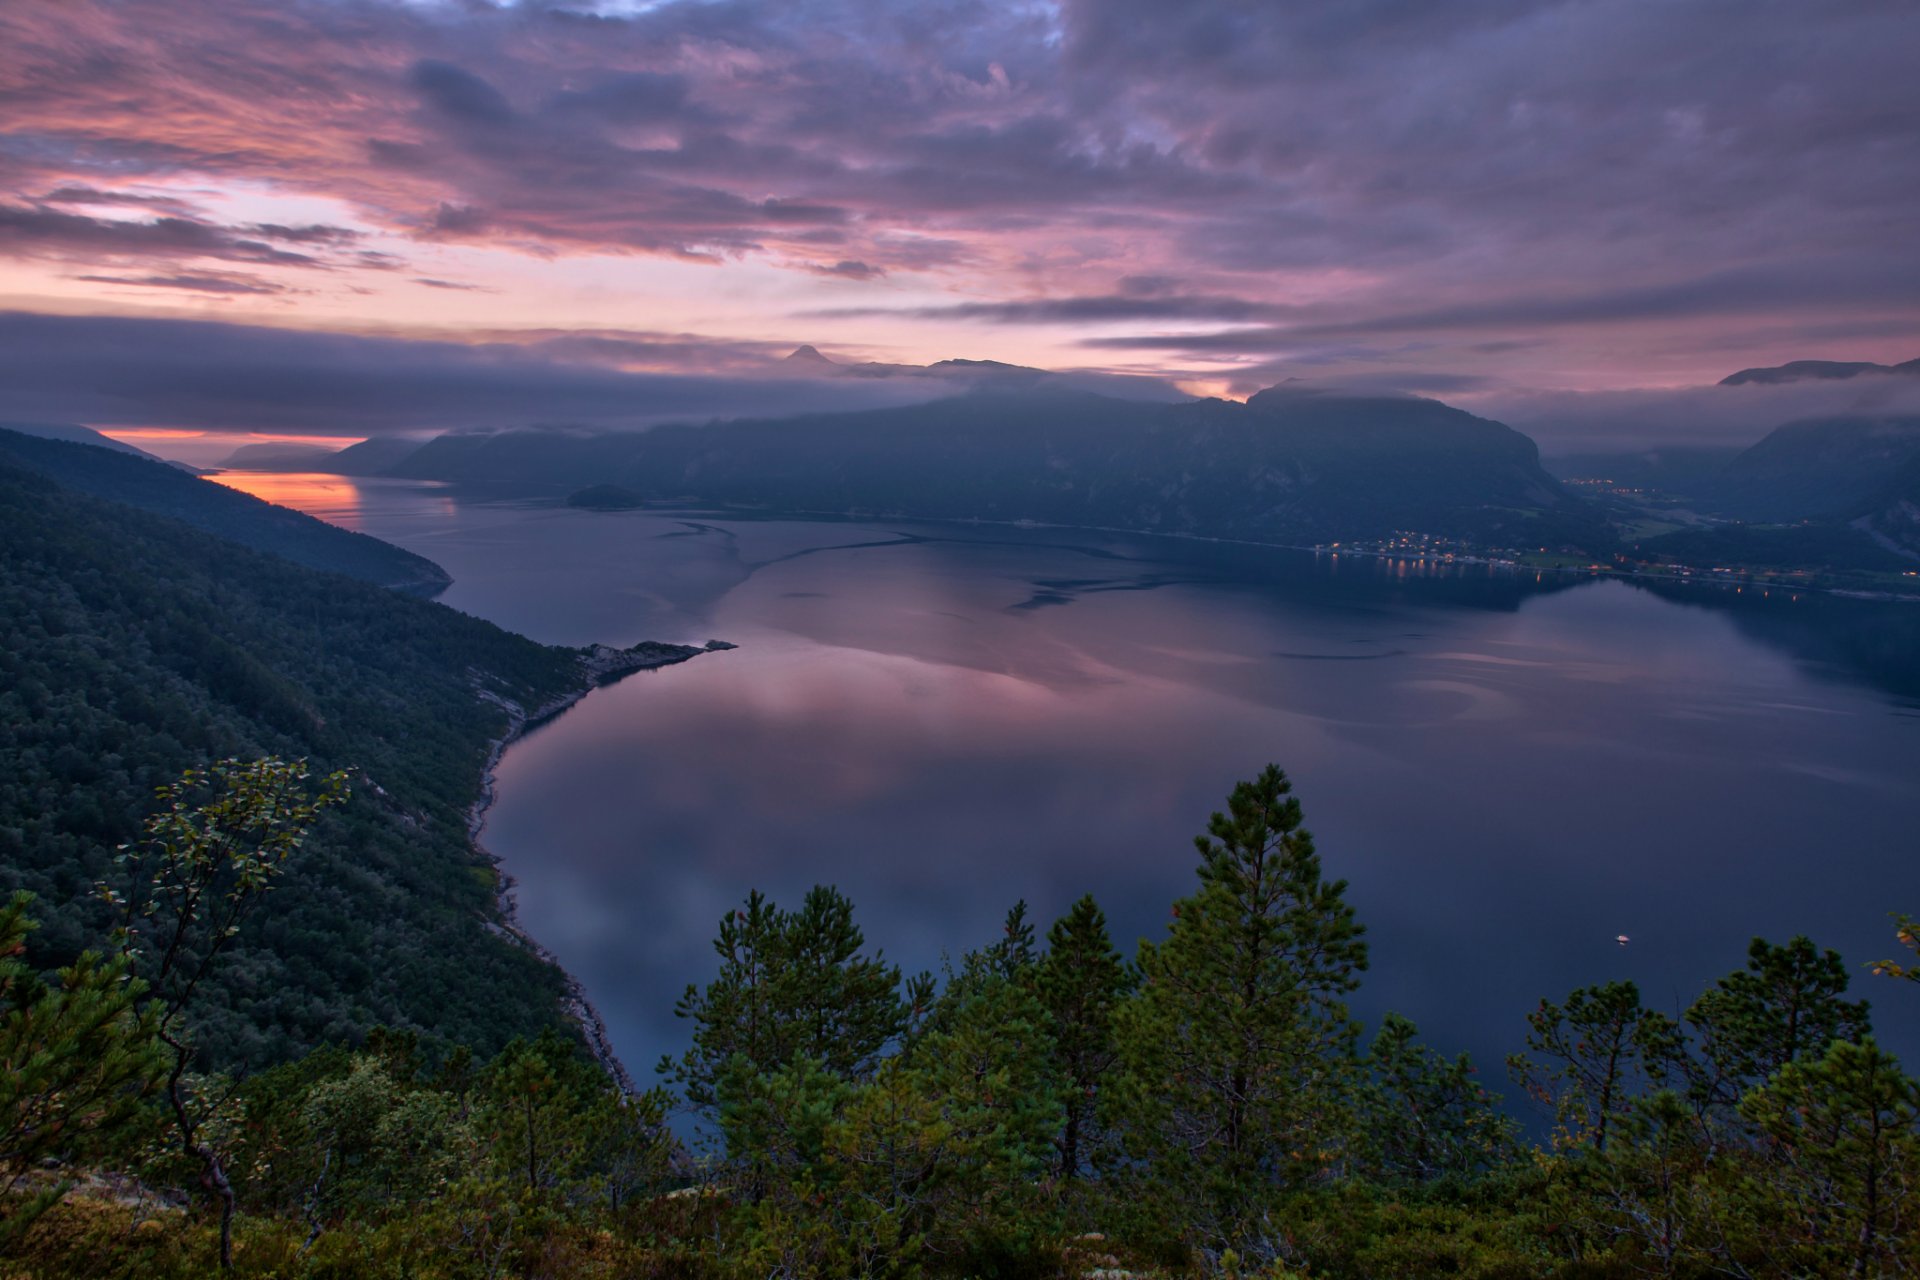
[139, 372]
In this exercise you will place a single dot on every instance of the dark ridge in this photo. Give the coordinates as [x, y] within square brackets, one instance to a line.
[227, 513]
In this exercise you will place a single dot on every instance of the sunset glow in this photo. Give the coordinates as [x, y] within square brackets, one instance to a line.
[1471, 201]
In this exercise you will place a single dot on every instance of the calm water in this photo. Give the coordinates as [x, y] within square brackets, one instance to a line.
[944, 720]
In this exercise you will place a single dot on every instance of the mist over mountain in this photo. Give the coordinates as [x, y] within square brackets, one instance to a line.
[809, 361]
[1826, 468]
[1818, 370]
[271, 456]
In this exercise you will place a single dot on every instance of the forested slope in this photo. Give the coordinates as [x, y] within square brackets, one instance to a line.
[132, 647]
[165, 490]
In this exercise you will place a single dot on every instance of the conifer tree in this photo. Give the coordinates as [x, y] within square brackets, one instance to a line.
[1846, 1129]
[76, 1058]
[792, 984]
[1237, 1052]
[1785, 1006]
[1426, 1117]
[1593, 1056]
[1014, 954]
[1082, 979]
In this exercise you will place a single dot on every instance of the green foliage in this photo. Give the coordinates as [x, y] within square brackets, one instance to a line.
[133, 648]
[219, 842]
[1784, 1007]
[1845, 1163]
[1236, 1055]
[1425, 1117]
[198, 872]
[1906, 932]
[1081, 981]
[77, 1057]
[880, 1128]
[939, 1157]
[1590, 1057]
[792, 984]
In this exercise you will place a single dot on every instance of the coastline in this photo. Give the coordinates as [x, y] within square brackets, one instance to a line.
[1703, 578]
[600, 665]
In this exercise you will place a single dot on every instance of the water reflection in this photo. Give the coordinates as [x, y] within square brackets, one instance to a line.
[941, 720]
[340, 500]
[1510, 779]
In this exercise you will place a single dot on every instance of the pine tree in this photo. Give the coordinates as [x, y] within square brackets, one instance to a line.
[1846, 1127]
[1427, 1117]
[76, 1058]
[1014, 954]
[1784, 1007]
[1082, 979]
[1593, 1057]
[1237, 1053]
[791, 985]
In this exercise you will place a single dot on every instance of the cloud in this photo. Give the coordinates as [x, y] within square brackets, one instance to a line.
[27, 231]
[848, 269]
[1094, 309]
[143, 372]
[224, 282]
[1486, 171]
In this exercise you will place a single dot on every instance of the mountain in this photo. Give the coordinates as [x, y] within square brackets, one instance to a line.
[369, 457]
[166, 490]
[269, 456]
[808, 360]
[73, 433]
[1289, 465]
[1817, 370]
[1819, 469]
[373, 457]
[1892, 514]
[133, 646]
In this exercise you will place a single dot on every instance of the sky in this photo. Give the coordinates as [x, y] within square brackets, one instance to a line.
[348, 217]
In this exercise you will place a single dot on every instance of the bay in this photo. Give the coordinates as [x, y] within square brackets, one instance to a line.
[1511, 771]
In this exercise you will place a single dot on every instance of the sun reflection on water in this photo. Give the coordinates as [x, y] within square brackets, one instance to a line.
[335, 499]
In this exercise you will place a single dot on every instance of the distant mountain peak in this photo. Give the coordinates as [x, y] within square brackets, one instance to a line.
[1816, 370]
[809, 354]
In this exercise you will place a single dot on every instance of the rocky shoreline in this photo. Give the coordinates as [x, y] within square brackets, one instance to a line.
[599, 665]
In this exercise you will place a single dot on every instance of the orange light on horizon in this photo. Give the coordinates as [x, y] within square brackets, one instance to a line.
[335, 499]
[127, 435]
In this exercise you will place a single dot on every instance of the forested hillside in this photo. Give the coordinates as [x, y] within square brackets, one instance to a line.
[1048, 1106]
[133, 646]
[239, 517]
